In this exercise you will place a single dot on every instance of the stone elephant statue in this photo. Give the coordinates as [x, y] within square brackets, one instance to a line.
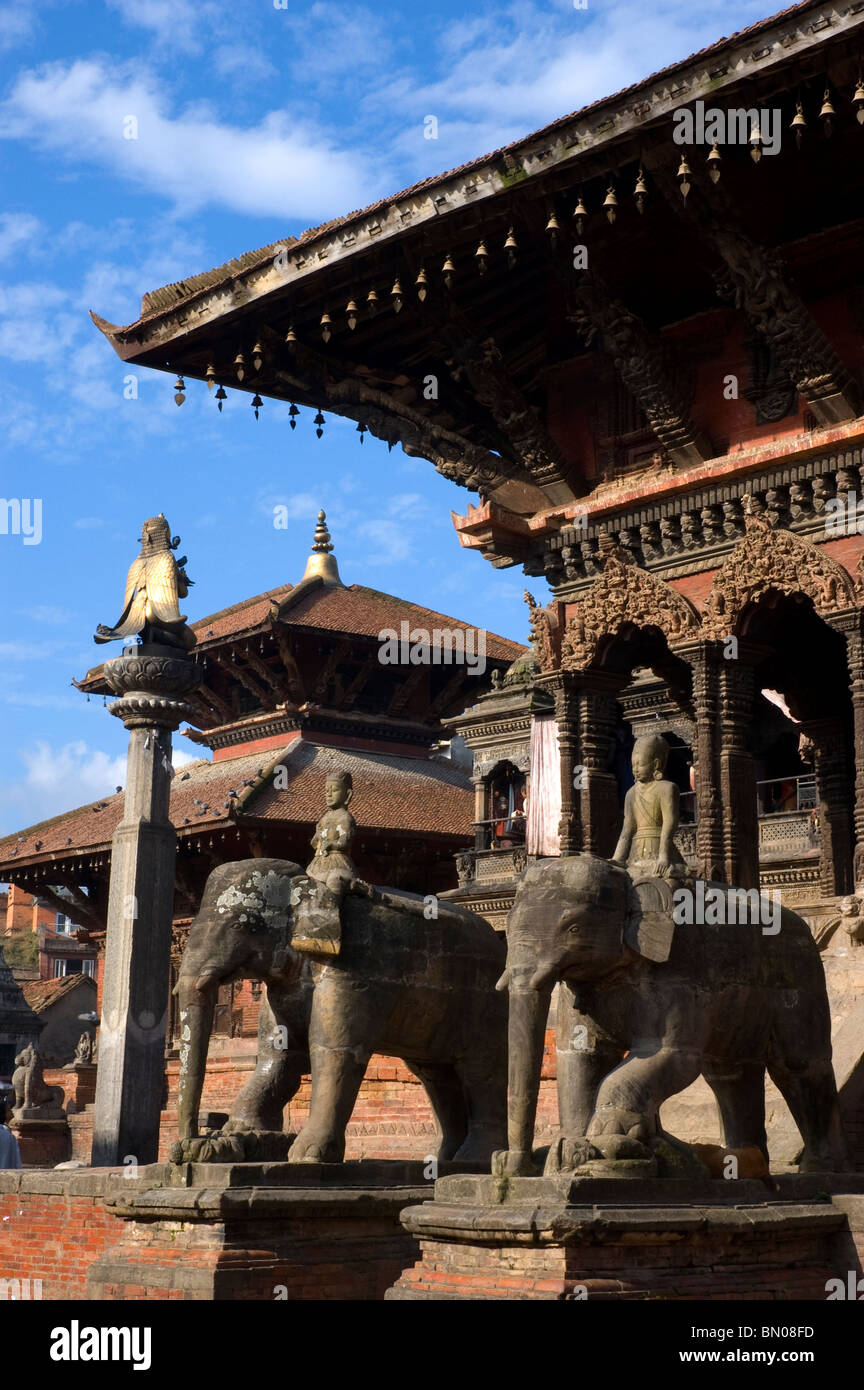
[645, 1006]
[422, 990]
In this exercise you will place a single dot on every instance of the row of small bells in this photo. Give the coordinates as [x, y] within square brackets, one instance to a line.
[714, 161]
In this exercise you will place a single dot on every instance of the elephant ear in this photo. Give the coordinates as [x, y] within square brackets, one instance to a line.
[649, 928]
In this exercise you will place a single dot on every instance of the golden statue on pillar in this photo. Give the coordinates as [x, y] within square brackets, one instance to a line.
[646, 845]
[154, 586]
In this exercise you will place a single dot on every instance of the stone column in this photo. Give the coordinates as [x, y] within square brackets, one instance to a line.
[738, 794]
[151, 680]
[480, 831]
[850, 626]
[704, 659]
[586, 712]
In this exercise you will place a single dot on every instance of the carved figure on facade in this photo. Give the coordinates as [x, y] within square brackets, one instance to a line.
[624, 594]
[543, 632]
[774, 559]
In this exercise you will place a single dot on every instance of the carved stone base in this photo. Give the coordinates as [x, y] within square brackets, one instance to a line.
[259, 1231]
[43, 1142]
[568, 1239]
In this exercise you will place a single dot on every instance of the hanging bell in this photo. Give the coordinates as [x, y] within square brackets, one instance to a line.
[481, 256]
[351, 312]
[714, 161]
[179, 388]
[210, 376]
[610, 203]
[827, 112]
[421, 284]
[326, 330]
[798, 123]
[756, 142]
[291, 337]
[221, 398]
[448, 270]
[858, 101]
[257, 404]
[319, 424]
[257, 356]
[240, 366]
[553, 227]
[685, 173]
[372, 302]
[580, 212]
[293, 413]
[361, 430]
[396, 295]
[511, 247]
[640, 192]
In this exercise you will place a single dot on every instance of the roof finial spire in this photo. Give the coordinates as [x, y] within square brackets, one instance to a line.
[322, 543]
[321, 564]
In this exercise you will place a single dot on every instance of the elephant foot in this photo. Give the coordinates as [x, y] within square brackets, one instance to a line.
[618, 1133]
[310, 1147]
[239, 1146]
[513, 1163]
[568, 1154]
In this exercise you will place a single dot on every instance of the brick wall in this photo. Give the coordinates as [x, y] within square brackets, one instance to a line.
[52, 1227]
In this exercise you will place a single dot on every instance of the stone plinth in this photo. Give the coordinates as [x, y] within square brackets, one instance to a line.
[43, 1142]
[570, 1239]
[259, 1231]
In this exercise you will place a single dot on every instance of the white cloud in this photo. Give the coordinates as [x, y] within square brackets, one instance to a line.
[284, 166]
[179, 24]
[19, 231]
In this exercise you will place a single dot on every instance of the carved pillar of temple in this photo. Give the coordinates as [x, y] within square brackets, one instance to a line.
[831, 766]
[480, 831]
[705, 659]
[586, 712]
[851, 627]
[738, 769]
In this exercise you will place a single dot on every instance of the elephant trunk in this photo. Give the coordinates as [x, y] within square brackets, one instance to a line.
[529, 1011]
[197, 1004]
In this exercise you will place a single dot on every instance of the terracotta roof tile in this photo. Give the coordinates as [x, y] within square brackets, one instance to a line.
[391, 793]
[41, 994]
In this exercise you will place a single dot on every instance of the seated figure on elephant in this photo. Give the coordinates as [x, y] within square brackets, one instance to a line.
[646, 845]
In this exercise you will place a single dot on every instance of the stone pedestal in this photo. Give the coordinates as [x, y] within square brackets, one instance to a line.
[262, 1232]
[82, 1091]
[43, 1142]
[151, 680]
[566, 1239]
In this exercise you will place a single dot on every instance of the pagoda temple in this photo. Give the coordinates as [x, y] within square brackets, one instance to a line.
[636, 337]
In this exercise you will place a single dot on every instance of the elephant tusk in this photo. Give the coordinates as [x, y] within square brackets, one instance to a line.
[504, 981]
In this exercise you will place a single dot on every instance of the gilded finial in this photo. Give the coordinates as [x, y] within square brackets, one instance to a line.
[322, 543]
[321, 564]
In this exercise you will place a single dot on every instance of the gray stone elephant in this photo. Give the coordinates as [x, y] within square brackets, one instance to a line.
[422, 990]
[646, 1006]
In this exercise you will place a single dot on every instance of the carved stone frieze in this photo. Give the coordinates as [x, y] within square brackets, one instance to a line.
[774, 559]
[623, 594]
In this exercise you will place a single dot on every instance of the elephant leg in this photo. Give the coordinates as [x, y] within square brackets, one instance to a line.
[486, 1103]
[810, 1091]
[631, 1095]
[337, 1073]
[583, 1060]
[740, 1096]
[447, 1098]
[283, 1061]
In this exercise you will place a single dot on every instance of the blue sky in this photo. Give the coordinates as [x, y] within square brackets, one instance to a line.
[255, 121]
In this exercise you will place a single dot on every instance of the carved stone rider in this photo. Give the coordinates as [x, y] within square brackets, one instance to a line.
[646, 845]
[331, 872]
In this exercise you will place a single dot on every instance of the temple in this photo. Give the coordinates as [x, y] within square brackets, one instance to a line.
[641, 350]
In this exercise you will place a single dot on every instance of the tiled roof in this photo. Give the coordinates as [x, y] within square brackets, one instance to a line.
[41, 994]
[240, 617]
[391, 792]
[161, 300]
[409, 794]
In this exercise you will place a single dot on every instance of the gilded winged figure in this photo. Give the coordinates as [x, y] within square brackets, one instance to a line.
[154, 586]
